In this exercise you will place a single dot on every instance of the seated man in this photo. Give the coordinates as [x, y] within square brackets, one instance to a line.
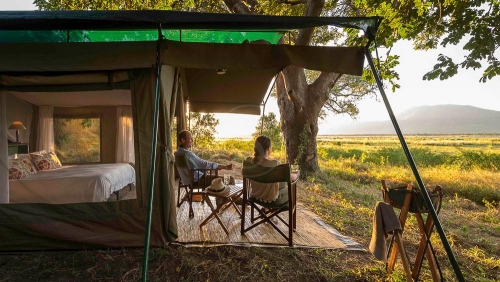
[184, 140]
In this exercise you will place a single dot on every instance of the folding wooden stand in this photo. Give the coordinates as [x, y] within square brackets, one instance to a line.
[235, 192]
[425, 231]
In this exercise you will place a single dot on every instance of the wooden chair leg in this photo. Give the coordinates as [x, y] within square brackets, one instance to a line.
[190, 199]
[402, 220]
[178, 196]
[295, 208]
[242, 231]
[179, 200]
[425, 248]
[290, 226]
[252, 215]
[404, 259]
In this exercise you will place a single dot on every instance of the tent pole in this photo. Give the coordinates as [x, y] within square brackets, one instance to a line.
[153, 160]
[265, 102]
[413, 166]
[262, 118]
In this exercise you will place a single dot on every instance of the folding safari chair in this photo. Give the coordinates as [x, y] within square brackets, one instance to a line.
[265, 210]
[408, 200]
[190, 185]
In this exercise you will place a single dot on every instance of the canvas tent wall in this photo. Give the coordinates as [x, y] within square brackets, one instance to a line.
[53, 67]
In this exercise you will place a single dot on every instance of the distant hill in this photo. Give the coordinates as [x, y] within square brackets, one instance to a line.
[441, 119]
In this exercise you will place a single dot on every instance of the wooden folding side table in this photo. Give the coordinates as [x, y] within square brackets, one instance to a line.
[236, 191]
[410, 204]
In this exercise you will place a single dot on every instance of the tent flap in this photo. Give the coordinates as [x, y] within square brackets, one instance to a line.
[205, 107]
[70, 79]
[60, 57]
[235, 91]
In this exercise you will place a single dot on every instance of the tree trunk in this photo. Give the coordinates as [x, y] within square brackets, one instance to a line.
[300, 105]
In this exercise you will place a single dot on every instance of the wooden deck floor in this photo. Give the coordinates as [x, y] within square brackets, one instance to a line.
[312, 231]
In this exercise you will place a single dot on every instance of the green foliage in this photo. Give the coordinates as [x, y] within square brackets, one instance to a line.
[432, 23]
[173, 132]
[467, 166]
[77, 140]
[424, 157]
[113, 5]
[269, 126]
[203, 129]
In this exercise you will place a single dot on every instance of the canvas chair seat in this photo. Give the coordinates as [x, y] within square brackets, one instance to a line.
[269, 210]
[268, 205]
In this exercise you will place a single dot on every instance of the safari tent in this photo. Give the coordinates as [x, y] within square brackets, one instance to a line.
[133, 72]
[98, 64]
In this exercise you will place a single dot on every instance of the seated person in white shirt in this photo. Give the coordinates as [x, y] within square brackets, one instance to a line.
[269, 192]
[184, 140]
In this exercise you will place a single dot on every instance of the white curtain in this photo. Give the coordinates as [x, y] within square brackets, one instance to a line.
[45, 128]
[125, 136]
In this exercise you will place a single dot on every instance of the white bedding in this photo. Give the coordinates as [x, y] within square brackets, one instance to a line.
[72, 184]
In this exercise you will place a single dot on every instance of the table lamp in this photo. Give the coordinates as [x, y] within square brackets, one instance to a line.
[17, 125]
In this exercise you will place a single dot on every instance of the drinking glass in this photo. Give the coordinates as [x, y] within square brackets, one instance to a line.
[226, 179]
[295, 168]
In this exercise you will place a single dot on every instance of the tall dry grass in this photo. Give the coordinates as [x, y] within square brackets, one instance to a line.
[343, 193]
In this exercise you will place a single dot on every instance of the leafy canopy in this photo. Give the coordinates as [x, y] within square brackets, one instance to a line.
[269, 126]
[202, 127]
[475, 24]
[428, 24]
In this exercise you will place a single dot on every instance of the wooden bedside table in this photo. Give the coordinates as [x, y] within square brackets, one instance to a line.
[18, 148]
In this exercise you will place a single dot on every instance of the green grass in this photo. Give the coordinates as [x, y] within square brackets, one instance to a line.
[343, 193]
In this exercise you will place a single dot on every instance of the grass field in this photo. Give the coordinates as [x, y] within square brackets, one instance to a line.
[343, 193]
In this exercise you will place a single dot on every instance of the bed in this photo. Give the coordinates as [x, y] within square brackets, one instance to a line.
[72, 184]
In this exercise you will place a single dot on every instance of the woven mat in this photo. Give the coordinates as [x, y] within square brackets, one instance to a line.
[312, 231]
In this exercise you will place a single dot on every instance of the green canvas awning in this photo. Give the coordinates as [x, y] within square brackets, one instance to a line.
[236, 37]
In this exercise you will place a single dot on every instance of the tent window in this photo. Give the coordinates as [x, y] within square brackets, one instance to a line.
[78, 140]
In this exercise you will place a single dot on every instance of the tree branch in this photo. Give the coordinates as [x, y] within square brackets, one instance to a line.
[292, 2]
[237, 7]
[292, 86]
[313, 9]
[323, 84]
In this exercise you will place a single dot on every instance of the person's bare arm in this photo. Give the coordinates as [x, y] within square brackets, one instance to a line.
[228, 167]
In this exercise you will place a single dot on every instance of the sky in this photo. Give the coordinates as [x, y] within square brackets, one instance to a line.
[462, 89]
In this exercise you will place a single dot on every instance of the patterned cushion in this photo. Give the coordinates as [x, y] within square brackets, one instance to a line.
[29, 165]
[42, 152]
[33, 155]
[45, 161]
[55, 160]
[20, 168]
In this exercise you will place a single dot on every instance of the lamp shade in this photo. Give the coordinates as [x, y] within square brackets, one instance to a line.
[17, 125]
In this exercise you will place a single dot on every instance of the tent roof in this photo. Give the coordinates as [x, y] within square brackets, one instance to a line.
[150, 19]
[110, 41]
